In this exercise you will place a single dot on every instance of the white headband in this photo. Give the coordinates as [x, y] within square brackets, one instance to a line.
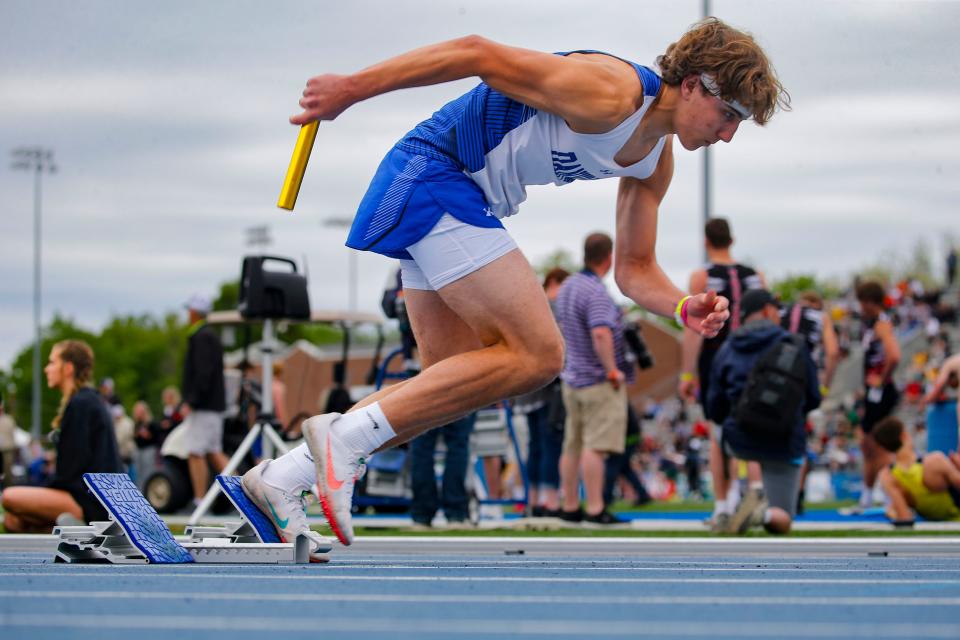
[711, 86]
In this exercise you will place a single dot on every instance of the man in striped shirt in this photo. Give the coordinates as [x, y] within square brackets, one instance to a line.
[595, 374]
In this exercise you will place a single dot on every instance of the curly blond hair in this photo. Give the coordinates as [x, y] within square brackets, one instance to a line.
[734, 60]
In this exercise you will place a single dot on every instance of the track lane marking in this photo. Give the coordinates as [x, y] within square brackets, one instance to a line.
[551, 627]
[194, 575]
[859, 601]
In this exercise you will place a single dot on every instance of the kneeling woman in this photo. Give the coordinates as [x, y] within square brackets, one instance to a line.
[85, 441]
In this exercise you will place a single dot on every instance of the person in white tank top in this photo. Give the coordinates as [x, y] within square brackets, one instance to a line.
[482, 322]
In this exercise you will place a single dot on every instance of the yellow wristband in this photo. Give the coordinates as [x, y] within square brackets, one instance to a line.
[686, 377]
[824, 390]
[678, 314]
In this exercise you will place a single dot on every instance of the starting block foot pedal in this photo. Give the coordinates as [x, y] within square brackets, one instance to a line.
[135, 533]
[255, 534]
[255, 526]
[258, 521]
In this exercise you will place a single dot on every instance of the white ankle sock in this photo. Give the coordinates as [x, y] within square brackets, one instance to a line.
[866, 497]
[293, 471]
[365, 430]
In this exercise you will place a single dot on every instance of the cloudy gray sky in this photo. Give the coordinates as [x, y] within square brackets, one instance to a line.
[169, 124]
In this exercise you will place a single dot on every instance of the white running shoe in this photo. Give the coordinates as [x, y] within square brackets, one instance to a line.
[286, 511]
[337, 472]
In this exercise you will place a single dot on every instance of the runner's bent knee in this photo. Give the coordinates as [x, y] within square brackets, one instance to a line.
[543, 361]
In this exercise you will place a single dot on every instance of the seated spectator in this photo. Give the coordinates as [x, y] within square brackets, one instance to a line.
[929, 485]
[172, 413]
[948, 379]
[8, 446]
[108, 393]
[85, 442]
[123, 428]
[779, 450]
[147, 436]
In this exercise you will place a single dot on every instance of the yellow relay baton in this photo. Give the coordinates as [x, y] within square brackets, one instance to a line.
[298, 166]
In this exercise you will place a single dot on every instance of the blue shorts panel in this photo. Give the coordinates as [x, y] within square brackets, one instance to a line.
[407, 196]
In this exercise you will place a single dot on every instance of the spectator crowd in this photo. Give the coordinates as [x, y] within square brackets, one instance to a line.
[877, 383]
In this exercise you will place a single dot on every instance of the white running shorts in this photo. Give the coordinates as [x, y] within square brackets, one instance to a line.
[450, 251]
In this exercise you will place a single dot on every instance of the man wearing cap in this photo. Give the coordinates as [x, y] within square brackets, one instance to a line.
[780, 458]
[204, 399]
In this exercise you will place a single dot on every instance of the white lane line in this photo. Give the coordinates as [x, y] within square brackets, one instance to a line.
[664, 564]
[466, 562]
[817, 601]
[487, 627]
[673, 542]
[196, 575]
[548, 567]
[333, 566]
[591, 541]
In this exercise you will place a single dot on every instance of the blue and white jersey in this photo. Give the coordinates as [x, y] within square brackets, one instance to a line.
[504, 145]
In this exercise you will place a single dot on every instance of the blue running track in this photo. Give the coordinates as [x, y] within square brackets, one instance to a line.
[465, 588]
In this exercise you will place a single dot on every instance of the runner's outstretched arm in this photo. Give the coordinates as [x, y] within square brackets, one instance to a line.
[637, 273]
[950, 366]
[899, 509]
[831, 349]
[594, 93]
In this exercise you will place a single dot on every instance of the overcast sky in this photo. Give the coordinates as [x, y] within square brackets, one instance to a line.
[169, 124]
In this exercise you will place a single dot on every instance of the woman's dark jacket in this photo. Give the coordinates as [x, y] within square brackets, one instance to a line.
[86, 443]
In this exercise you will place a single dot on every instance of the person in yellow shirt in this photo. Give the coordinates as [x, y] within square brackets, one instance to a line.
[929, 486]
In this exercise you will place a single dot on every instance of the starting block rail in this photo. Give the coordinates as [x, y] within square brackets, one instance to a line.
[135, 533]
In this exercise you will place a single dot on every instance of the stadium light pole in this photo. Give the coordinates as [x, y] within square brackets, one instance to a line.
[39, 160]
[707, 170]
[346, 223]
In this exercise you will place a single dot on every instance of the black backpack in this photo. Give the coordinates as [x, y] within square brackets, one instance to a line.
[775, 390]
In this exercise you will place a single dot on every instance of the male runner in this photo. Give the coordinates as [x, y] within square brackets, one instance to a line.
[881, 355]
[806, 317]
[479, 314]
[732, 280]
[929, 485]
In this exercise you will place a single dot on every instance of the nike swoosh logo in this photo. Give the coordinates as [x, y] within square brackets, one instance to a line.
[280, 523]
[332, 481]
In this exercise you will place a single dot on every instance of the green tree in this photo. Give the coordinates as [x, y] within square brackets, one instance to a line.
[22, 372]
[229, 296]
[789, 287]
[142, 355]
[558, 258]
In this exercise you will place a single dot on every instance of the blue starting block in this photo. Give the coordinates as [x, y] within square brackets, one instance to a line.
[135, 533]
[257, 519]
